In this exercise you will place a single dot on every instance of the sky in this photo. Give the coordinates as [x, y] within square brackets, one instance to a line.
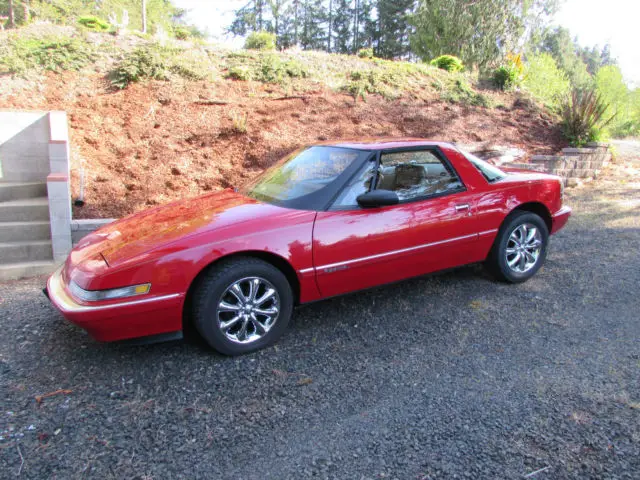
[594, 22]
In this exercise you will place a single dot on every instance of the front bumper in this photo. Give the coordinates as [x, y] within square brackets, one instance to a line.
[120, 319]
[560, 219]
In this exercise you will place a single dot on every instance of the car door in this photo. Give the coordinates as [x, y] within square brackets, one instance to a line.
[432, 228]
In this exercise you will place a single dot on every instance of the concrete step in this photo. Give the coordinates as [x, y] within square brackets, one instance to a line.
[24, 231]
[14, 271]
[25, 210]
[21, 190]
[12, 252]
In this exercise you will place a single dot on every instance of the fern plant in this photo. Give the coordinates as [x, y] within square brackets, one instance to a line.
[143, 62]
[584, 116]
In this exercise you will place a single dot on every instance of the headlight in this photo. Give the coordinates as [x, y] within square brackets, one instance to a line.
[96, 295]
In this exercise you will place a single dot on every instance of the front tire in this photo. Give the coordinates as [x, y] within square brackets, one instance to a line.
[242, 305]
[520, 248]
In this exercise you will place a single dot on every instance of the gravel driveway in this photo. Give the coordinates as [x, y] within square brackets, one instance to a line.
[451, 376]
[627, 150]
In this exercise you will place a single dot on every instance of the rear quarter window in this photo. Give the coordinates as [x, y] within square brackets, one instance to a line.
[491, 173]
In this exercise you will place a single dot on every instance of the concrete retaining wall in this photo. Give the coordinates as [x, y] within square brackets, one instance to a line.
[24, 146]
[58, 185]
[34, 147]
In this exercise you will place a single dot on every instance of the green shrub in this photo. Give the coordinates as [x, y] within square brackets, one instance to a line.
[365, 52]
[295, 69]
[275, 70]
[545, 80]
[611, 85]
[448, 63]
[143, 62]
[181, 33]
[154, 62]
[503, 77]
[632, 127]
[460, 91]
[510, 74]
[94, 23]
[584, 116]
[260, 41]
[239, 72]
[20, 55]
[271, 69]
[362, 82]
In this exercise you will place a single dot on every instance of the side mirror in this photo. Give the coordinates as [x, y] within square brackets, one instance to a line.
[378, 198]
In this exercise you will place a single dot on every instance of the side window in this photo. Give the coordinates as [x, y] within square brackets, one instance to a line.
[359, 184]
[416, 174]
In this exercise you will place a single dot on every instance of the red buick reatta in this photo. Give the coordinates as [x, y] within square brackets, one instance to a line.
[326, 220]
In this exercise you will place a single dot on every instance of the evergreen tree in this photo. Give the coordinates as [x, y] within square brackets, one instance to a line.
[478, 32]
[342, 26]
[250, 18]
[368, 26]
[312, 34]
[393, 27]
[277, 9]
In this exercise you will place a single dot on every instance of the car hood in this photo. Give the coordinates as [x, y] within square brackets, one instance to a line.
[140, 234]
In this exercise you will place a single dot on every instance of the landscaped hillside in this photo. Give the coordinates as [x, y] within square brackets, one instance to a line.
[153, 122]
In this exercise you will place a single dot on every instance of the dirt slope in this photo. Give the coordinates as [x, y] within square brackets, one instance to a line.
[160, 141]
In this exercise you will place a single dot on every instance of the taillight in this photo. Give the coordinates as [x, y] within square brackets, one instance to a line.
[561, 180]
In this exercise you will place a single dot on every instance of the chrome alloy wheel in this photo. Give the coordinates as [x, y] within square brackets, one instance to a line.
[523, 248]
[248, 309]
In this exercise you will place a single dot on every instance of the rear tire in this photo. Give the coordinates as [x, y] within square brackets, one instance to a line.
[520, 248]
[242, 305]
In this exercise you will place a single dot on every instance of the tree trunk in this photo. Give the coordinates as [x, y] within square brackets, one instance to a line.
[259, 7]
[355, 27]
[144, 16]
[27, 13]
[295, 21]
[12, 15]
[330, 26]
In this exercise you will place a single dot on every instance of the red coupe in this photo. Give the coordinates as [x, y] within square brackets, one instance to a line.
[326, 220]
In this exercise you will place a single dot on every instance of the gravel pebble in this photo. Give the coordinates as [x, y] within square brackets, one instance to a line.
[449, 376]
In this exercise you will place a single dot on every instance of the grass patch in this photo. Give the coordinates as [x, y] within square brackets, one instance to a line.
[460, 91]
[296, 71]
[239, 121]
[156, 62]
[392, 79]
[240, 72]
[19, 55]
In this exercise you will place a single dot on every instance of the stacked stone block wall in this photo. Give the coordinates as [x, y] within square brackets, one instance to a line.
[574, 164]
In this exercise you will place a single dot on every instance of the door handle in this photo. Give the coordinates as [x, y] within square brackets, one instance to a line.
[460, 208]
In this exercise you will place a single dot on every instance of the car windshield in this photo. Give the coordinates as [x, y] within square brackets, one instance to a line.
[300, 179]
[490, 172]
